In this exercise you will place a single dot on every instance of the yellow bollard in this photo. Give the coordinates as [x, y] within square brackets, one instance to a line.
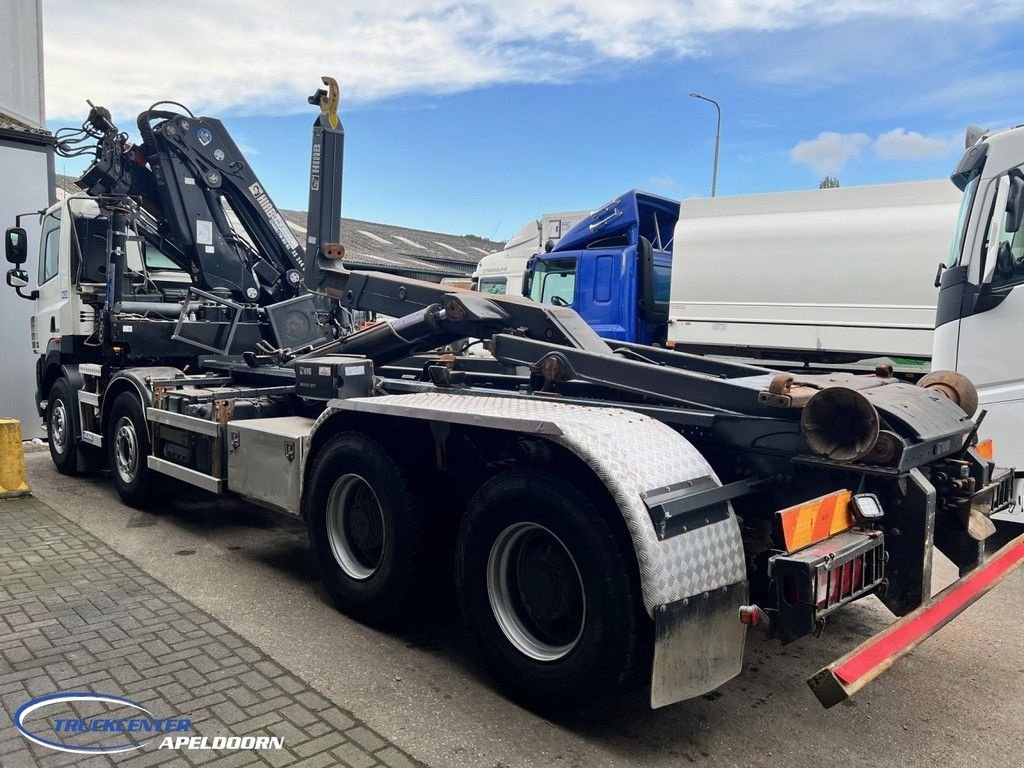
[12, 461]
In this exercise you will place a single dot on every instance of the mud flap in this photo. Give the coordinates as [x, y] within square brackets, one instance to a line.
[698, 644]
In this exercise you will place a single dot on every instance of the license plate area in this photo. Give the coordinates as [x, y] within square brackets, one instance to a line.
[817, 580]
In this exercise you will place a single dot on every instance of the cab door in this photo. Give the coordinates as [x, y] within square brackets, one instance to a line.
[991, 325]
[53, 292]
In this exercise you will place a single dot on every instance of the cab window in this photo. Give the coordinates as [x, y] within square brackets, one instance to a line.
[966, 203]
[494, 285]
[554, 282]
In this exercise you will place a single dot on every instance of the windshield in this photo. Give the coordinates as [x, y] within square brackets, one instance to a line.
[554, 282]
[962, 218]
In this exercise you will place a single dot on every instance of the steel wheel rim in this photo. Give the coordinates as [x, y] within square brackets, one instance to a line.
[355, 527]
[536, 592]
[59, 427]
[126, 449]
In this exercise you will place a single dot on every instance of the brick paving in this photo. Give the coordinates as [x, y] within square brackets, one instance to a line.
[77, 616]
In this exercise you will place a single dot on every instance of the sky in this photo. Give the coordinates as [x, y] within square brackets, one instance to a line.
[474, 117]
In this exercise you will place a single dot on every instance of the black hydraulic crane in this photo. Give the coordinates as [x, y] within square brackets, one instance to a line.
[192, 177]
[188, 191]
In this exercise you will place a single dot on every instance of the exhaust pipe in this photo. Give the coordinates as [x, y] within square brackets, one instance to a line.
[955, 386]
[840, 423]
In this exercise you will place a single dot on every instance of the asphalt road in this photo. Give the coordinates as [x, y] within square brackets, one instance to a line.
[958, 700]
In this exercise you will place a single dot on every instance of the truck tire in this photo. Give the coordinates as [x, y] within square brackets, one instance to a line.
[60, 428]
[366, 531]
[546, 590]
[127, 443]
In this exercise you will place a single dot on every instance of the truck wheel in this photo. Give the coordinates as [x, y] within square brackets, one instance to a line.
[546, 590]
[127, 442]
[60, 428]
[366, 531]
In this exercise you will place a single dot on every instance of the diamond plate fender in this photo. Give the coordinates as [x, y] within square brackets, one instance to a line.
[629, 452]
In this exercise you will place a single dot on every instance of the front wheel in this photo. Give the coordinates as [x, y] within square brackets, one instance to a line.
[127, 442]
[60, 428]
[547, 591]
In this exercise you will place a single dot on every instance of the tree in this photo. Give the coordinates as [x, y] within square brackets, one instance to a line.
[829, 182]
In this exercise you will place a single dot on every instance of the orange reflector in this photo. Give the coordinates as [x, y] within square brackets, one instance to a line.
[986, 450]
[812, 521]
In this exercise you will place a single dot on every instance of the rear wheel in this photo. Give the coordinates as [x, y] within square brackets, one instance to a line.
[127, 442]
[60, 428]
[366, 531]
[546, 590]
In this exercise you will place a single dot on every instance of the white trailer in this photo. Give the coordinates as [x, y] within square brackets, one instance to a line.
[829, 276]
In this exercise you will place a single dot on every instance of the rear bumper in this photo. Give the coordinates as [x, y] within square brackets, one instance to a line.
[847, 675]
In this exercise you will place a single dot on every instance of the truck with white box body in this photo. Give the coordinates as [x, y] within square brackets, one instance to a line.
[827, 276]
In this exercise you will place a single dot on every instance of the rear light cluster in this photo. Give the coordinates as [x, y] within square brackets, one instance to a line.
[818, 579]
[840, 582]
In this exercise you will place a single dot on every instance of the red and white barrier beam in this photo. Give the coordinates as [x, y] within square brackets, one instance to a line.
[847, 675]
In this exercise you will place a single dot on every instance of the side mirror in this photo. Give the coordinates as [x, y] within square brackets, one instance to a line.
[16, 245]
[653, 311]
[1015, 203]
[17, 278]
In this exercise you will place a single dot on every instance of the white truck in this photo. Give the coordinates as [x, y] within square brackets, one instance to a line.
[825, 276]
[504, 271]
[980, 318]
[614, 515]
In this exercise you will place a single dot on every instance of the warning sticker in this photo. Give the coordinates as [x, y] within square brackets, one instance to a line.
[204, 232]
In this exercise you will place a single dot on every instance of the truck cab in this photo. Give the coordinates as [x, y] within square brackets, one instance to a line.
[74, 281]
[613, 268]
[980, 315]
[504, 272]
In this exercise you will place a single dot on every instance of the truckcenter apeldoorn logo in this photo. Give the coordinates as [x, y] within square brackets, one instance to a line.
[89, 723]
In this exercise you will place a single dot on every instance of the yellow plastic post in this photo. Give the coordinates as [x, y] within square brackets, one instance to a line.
[12, 461]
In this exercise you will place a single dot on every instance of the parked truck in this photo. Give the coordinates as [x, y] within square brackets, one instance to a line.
[723, 271]
[980, 312]
[616, 513]
[505, 271]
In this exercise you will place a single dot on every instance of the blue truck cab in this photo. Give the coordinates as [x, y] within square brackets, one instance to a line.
[613, 268]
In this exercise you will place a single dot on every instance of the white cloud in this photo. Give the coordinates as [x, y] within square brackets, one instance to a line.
[899, 144]
[665, 182]
[829, 151]
[264, 57]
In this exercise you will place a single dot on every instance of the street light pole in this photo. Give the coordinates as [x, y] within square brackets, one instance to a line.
[718, 137]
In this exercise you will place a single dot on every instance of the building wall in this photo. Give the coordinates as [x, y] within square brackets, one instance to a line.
[17, 369]
[21, 61]
[26, 173]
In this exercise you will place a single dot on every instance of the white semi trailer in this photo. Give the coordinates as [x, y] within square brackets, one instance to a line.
[829, 276]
